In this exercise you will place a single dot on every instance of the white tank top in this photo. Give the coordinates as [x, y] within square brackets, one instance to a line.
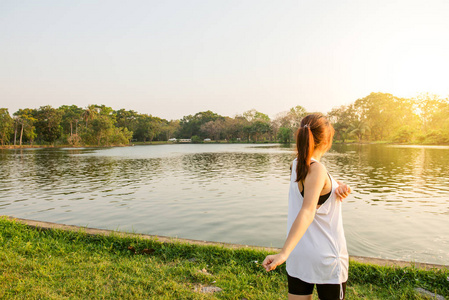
[321, 255]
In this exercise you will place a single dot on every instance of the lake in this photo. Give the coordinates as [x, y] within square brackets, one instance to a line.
[236, 193]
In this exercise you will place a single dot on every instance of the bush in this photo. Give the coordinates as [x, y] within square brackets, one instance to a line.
[435, 137]
[284, 135]
[74, 140]
[196, 139]
[404, 134]
[121, 136]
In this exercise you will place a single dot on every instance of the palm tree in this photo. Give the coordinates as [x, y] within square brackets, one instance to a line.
[90, 113]
[359, 128]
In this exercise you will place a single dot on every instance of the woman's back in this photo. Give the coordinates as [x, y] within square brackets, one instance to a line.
[321, 255]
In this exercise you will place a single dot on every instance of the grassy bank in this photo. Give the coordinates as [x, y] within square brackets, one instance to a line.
[55, 264]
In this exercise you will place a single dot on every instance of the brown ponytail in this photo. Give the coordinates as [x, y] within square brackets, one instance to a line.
[314, 131]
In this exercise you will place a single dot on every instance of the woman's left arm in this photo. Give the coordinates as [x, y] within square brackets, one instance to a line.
[313, 184]
[342, 191]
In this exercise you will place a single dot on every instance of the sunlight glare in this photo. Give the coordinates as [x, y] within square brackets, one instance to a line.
[420, 69]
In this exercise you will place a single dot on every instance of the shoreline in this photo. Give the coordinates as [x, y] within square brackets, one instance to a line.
[164, 239]
[17, 147]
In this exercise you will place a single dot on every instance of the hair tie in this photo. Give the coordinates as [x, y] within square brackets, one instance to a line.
[306, 126]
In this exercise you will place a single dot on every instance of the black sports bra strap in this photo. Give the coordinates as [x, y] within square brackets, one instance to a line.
[302, 184]
[322, 198]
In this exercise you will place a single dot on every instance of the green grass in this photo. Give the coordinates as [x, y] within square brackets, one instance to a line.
[56, 264]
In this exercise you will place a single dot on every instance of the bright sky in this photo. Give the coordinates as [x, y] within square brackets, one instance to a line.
[174, 58]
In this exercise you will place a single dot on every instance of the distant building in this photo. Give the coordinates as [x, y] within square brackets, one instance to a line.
[172, 140]
[185, 140]
[207, 140]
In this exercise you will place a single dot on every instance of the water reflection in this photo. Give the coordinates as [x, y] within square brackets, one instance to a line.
[234, 193]
[397, 177]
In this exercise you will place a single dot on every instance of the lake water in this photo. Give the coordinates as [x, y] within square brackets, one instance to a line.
[236, 193]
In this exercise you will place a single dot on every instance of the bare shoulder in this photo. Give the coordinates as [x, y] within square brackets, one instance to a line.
[318, 169]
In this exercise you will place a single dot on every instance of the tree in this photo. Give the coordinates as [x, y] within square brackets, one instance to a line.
[430, 107]
[25, 120]
[375, 113]
[191, 125]
[284, 135]
[6, 126]
[90, 113]
[405, 114]
[148, 127]
[282, 120]
[257, 124]
[404, 134]
[296, 114]
[71, 115]
[254, 115]
[102, 127]
[384, 114]
[126, 119]
[247, 130]
[440, 119]
[120, 136]
[341, 119]
[231, 128]
[170, 128]
[48, 124]
[236, 128]
[258, 128]
[288, 119]
[213, 129]
[359, 128]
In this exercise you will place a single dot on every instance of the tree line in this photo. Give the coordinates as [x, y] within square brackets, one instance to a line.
[72, 125]
[376, 117]
[384, 117]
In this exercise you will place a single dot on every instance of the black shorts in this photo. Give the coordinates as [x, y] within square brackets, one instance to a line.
[325, 291]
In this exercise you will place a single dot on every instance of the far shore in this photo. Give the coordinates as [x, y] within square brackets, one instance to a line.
[12, 147]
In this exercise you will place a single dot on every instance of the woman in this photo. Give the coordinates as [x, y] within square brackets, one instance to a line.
[315, 249]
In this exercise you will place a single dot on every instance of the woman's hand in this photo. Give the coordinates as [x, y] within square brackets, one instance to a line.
[342, 191]
[272, 261]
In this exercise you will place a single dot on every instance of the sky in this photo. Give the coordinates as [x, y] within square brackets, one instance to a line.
[175, 58]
